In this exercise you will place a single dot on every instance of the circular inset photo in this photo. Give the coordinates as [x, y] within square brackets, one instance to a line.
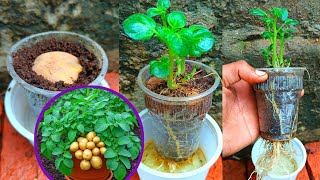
[89, 132]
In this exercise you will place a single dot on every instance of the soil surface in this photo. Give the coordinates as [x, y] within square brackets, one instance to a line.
[201, 82]
[24, 58]
[57, 175]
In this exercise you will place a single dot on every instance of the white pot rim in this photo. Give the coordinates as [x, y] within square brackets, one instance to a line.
[301, 149]
[205, 167]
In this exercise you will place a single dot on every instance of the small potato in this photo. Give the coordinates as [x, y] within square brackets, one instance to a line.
[96, 139]
[90, 135]
[74, 146]
[79, 154]
[79, 139]
[91, 145]
[96, 162]
[102, 150]
[100, 144]
[85, 165]
[95, 151]
[87, 154]
[83, 145]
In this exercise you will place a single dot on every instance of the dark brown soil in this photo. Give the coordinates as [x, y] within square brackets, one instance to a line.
[201, 82]
[23, 61]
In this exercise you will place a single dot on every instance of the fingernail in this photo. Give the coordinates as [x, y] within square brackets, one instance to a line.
[260, 73]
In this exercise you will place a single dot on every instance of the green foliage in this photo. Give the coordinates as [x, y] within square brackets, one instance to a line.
[277, 31]
[84, 110]
[181, 41]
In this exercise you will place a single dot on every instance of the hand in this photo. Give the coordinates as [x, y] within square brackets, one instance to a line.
[239, 110]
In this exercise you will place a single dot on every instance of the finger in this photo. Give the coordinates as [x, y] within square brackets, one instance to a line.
[302, 93]
[234, 72]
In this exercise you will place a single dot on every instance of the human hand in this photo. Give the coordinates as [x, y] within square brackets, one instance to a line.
[239, 110]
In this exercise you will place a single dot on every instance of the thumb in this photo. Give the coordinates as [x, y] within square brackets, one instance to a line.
[241, 70]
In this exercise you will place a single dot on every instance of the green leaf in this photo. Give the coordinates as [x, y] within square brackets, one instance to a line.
[135, 139]
[124, 125]
[112, 164]
[163, 4]
[178, 44]
[203, 41]
[48, 119]
[151, 12]
[65, 169]
[55, 137]
[72, 135]
[176, 19]
[125, 161]
[58, 161]
[120, 172]
[160, 69]
[258, 12]
[68, 162]
[57, 151]
[124, 152]
[80, 127]
[139, 26]
[100, 125]
[266, 35]
[134, 151]
[110, 153]
[284, 14]
[291, 21]
[99, 113]
[276, 11]
[67, 155]
[124, 140]
[266, 20]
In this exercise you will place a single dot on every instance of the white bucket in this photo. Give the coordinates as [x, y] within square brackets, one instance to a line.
[210, 143]
[19, 112]
[300, 156]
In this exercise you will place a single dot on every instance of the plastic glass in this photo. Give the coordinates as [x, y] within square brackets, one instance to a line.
[177, 121]
[38, 97]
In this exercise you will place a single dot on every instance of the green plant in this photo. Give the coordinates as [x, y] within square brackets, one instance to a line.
[277, 31]
[181, 41]
[84, 110]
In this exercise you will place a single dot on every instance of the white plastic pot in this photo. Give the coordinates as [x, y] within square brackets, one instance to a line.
[300, 156]
[210, 143]
[19, 112]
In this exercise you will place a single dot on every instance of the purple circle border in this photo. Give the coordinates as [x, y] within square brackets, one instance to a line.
[36, 149]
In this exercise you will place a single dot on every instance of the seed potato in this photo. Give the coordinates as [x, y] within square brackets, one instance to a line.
[100, 144]
[95, 151]
[91, 145]
[96, 139]
[85, 165]
[87, 154]
[102, 150]
[74, 146]
[96, 162]
[79, 154]
[79, 139]
[91, 135]
[83, 145]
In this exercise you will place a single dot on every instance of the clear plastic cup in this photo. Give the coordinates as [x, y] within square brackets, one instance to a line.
[278, 102]
[177, 120]
[37, 97]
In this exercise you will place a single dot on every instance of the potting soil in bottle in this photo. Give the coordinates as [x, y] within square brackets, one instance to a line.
[154, 160]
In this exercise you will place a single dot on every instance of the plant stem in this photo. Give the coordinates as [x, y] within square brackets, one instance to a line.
[183, 65]
[178, 62]
[274, 55]
[171, 83]
[281, 49]
[163, 19]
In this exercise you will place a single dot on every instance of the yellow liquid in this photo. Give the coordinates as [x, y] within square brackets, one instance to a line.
[154, 160]
[284, 166]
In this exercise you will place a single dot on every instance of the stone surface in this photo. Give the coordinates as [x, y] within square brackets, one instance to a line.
[96, 19]
[237, 37]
